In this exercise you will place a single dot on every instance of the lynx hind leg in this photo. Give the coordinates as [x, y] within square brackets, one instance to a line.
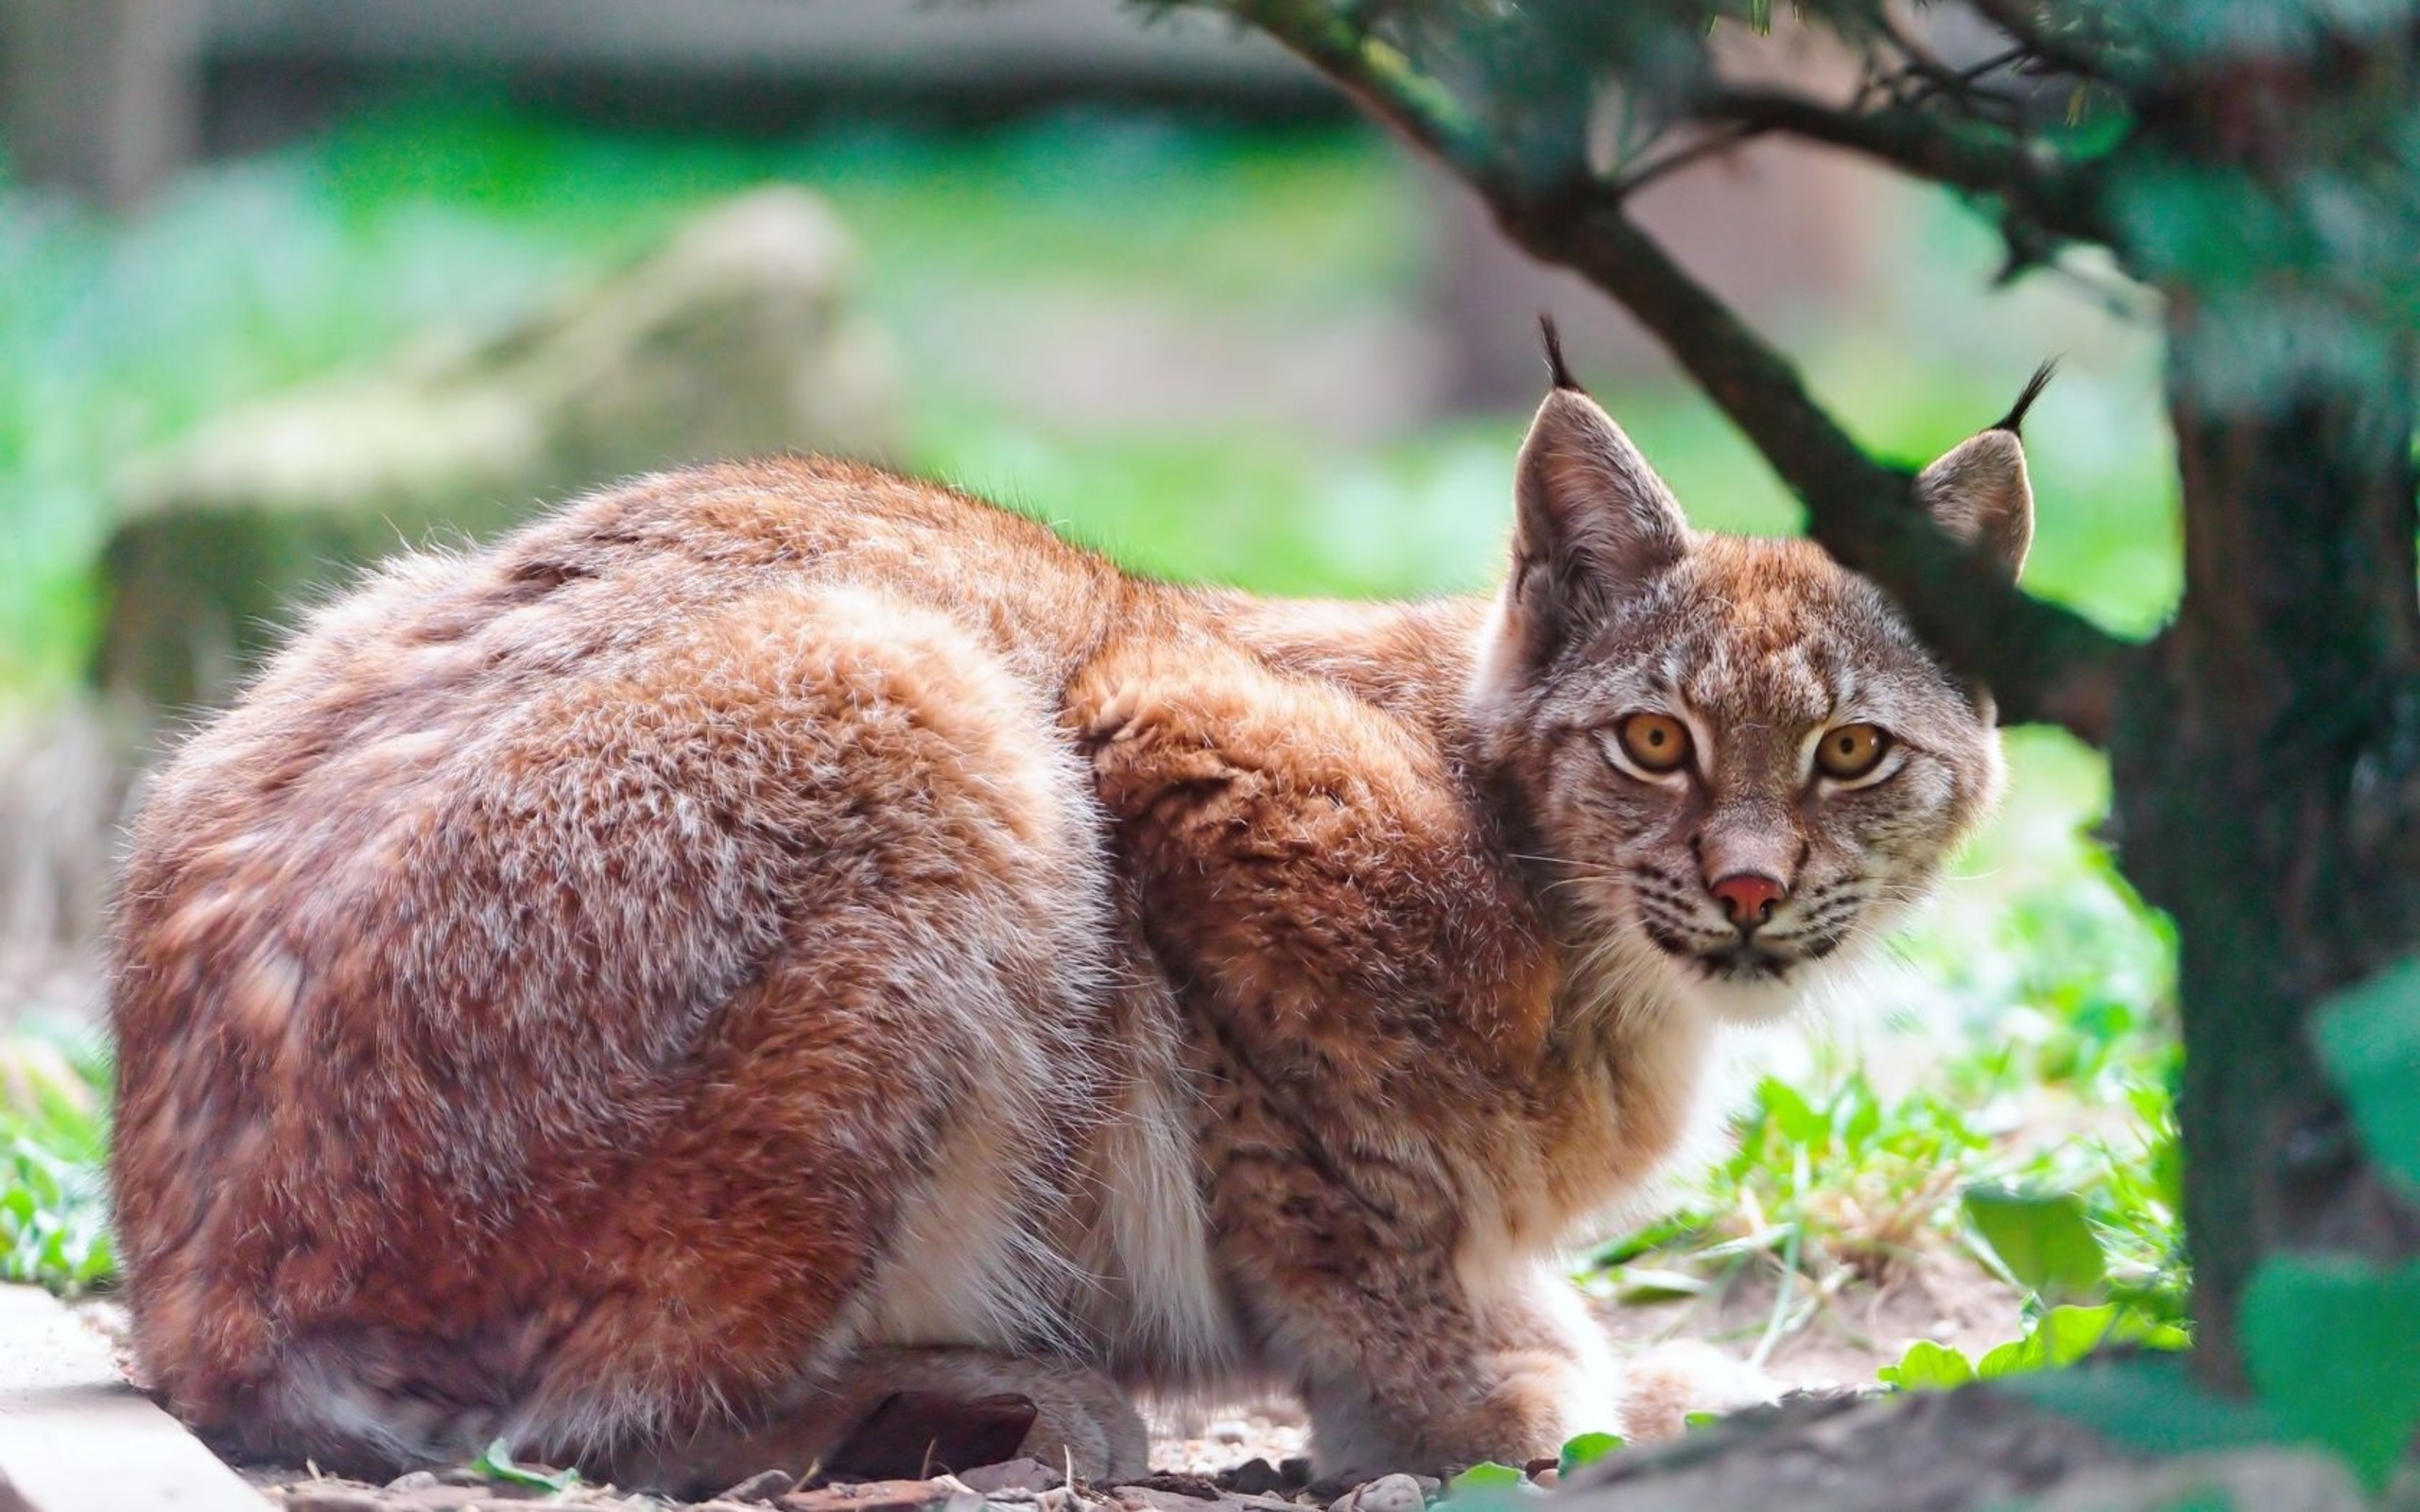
[1081, 1419]
[923, 1042]
[911, 1413]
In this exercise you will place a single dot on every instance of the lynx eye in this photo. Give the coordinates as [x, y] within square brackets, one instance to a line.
[1658, 743]
[1852, 750]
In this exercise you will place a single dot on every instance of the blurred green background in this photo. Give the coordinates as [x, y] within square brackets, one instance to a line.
[247, 276]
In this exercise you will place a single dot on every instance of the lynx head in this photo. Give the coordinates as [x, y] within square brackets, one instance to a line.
[1738, 761]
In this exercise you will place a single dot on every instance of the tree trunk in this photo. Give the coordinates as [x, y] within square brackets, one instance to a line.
[2268, 772]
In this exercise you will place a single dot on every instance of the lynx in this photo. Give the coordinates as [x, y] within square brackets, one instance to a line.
[777, 935]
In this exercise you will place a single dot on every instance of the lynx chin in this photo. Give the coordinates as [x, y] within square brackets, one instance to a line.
[778, 934]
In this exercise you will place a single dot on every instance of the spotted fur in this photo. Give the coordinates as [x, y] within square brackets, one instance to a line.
[776, 932]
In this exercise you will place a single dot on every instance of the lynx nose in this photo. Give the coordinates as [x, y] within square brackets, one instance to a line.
[1749, 895]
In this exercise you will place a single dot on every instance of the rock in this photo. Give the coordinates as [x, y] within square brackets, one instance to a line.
[873, 1495]
[1296, 1469]
[1138, 1498]
[333, 1497]
[1387, 1493]
[1548, 1475]
[1925, 1452]
[1228, 1431]
[442, 1497]
[1012, 1476]
[736, 336]
[1253, 1477]
[1191, 1488]
[2270, 1479]
[765, 1486]
[413, 1481]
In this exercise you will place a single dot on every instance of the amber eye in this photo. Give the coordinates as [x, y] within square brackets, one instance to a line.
[1658, 743]
[1852, 750]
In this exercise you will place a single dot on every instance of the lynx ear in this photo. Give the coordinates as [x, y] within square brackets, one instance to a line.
[1978, 490]
[1592, 521]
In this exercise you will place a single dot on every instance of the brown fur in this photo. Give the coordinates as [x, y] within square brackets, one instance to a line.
[774, 933]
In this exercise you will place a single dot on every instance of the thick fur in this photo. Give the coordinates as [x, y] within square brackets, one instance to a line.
[777, 933]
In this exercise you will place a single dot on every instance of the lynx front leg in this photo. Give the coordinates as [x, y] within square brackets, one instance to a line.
[1366, 993]
[1406, 1365]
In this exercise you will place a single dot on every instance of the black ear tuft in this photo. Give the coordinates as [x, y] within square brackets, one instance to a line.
[1556, 368]
[2014, 421]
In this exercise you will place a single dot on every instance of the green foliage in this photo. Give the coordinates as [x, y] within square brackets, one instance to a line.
[1586, 1449]
[2044, 1240]
[1928, 1367]
[2325, 1338]
[2328, 1339]
[2369, 1040]
[2333, 1345]
[2058, 1337]
[1484, 1486]
[2150, 1405]
[498, 1464]
[53, 1208]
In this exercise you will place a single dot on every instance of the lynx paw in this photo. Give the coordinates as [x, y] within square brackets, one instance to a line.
[1661, 1387]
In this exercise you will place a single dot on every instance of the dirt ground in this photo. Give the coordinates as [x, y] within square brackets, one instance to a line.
[1253, 1456]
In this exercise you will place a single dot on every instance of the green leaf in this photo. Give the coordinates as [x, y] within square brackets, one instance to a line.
[1648, 1283]
[1791, 1114]
[2044, 1240]
[2060, 1337]
[2369, 1040]
[497, 1464]
[2329, 1341]
[1586, 1449]
[1485, 1473]
[1927, 1366]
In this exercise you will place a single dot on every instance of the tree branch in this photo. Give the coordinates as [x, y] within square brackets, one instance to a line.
[2015, 20]
[2042, 661]
[1926, 144]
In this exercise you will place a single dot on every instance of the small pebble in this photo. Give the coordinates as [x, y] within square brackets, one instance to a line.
[439, 1498]
[413, 1481]
[1012, 1475]
[1228, 1431]
[1389, 1493]
[1552, 1475]
[765, 1486]
[309, 1498]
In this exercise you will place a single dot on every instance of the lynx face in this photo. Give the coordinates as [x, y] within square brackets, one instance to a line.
[1734, 751]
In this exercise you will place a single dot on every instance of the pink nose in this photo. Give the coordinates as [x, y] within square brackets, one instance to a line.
[1749, 895]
